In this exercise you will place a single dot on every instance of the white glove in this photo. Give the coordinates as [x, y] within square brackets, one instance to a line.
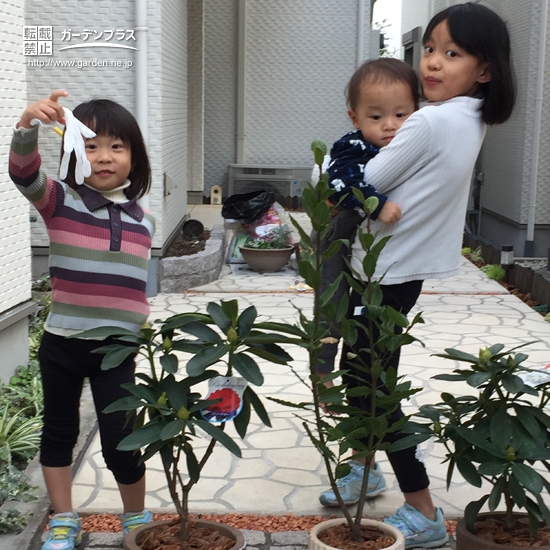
[73, 141]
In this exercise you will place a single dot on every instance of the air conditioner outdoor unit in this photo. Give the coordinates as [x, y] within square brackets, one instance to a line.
[286, 182]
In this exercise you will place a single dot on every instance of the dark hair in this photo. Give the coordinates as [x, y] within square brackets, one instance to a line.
[385, 70]
[481, 32]
[106, 117]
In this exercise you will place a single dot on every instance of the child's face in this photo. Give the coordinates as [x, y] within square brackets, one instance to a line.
[381, 110]
[111, 161]
[447, 70]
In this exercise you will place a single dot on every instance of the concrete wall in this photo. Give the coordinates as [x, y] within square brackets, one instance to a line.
[15, 257]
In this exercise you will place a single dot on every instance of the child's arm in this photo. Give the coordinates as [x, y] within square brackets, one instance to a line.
[409, 151]
[47, 110]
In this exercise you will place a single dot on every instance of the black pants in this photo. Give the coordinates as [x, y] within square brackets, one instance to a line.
[409, 471]
[64, 364]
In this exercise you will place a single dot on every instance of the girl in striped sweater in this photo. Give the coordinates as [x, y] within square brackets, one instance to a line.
[100, 239]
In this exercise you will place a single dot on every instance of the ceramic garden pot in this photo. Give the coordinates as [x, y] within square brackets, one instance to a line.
[468, 541]
[266, 260]
[132, 540]
[316, 544]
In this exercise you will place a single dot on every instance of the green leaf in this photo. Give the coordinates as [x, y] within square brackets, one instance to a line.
[116, 357]
[517, 491]
[471, 512]
[242, 420]
[208, 356]
[527, 477]
[409, 441]
[491, 468]
[319, 151]
[309, 274]
[130, 403]
[247, 368]
[246, 321]
[501, 430]
[528, 421]
[496, 494]
[458, 355]
[271, 352]
[193, 468]
[142, 437]
[468, 472]
[369, 265]
[220, 436]
[257, 405]
[172, 429]
[231, 309]
[202, 332]
[169, 363]
[512, 383]
[478, 378]
[478, 441]
[218, 316]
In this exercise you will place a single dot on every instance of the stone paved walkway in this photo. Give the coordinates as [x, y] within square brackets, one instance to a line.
[280, 472]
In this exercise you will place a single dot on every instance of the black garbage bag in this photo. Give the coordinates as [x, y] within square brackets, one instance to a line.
[247, 207]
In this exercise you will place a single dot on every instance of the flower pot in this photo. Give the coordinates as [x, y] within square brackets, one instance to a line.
[468, 541]
[316, 544]
[132, 540]
[266, 260]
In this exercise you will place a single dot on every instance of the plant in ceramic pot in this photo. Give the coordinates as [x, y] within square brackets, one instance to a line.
[270, 252]
[169, 408]
[333, 425]
[497, 435]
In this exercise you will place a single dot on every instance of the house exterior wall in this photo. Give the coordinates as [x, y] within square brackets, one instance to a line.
[299, 58]
[15, 256]
[166, 89]
[220, 90]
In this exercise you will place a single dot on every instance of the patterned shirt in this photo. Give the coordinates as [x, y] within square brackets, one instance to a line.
[348, 158]
[99, 250]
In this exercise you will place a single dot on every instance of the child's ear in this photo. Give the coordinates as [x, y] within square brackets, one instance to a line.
[485, 74]
[353, 118]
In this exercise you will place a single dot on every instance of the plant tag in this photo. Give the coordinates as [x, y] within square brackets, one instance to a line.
[230, 390]
[358, 311]
[537, 376]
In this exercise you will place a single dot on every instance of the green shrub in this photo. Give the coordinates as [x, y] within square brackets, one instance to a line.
[12, 521]
[494, 271]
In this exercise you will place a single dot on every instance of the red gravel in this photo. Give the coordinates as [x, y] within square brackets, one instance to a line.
[110, 523]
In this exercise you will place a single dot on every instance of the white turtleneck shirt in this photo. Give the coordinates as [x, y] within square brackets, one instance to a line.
[426, 170]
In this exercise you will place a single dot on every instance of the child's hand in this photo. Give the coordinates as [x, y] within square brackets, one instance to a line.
[390, 213]
[47, 110]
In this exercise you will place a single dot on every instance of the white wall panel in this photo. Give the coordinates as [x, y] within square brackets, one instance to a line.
[15, 256]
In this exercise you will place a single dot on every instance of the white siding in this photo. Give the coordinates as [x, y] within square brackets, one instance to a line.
[174, 113]
[299, 58]
[15, 257]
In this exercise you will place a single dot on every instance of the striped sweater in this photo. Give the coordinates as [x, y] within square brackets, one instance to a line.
[98, 249]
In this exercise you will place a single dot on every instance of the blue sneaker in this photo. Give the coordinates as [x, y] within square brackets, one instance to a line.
[419, 531]
[350, 485]
[65, 533]
[131, 520]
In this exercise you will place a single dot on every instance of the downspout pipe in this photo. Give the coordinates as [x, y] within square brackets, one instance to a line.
[529, 250]
[141, 81]
[361, 32]
[142, 117]
[241, 83]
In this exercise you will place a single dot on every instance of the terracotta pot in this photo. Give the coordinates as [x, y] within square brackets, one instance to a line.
[266, 260]
[316, 544]
[132, 539]
[468, 541]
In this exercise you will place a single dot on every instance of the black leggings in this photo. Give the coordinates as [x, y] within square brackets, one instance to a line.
[409, 471]
[64, 363]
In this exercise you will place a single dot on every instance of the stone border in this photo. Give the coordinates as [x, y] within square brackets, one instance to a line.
[178, 274]
[37, 511]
